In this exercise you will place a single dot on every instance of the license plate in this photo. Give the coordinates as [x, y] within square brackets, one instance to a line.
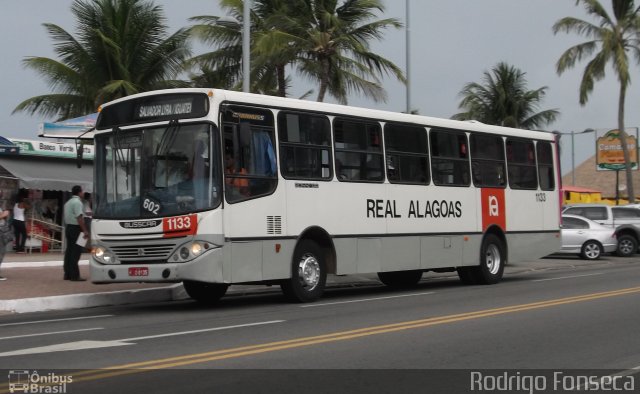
[138, 271]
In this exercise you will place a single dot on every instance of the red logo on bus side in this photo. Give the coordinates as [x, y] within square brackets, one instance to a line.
[493, 209]
[179, 226]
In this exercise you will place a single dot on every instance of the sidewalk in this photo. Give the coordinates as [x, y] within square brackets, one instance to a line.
[34, 283]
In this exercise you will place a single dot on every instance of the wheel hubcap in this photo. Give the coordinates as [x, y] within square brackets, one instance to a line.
[309, 272]
[625, 246]
[592, 251]
[493, 259]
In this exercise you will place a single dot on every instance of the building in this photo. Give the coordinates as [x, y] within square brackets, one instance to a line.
[46, 171]
[605, 182]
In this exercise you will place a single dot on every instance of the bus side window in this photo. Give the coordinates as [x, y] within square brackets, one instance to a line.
[449, 158]
[407, 154]
[521, 164]
[487, 160]
[250, 158]
[358, 147]
[545, 165]
[305, 146]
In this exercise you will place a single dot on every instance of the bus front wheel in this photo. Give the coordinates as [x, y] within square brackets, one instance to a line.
[308, 273]
[205, 293]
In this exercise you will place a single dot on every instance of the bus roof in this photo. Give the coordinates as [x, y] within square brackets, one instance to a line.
[220, 95]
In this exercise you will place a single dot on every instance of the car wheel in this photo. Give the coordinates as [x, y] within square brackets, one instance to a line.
[627, 245]
[591, 250]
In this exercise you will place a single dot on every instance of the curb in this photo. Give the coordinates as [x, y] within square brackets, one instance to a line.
[90, 300]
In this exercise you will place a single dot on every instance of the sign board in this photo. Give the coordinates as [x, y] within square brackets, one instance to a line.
[52, 149]
[609, 154]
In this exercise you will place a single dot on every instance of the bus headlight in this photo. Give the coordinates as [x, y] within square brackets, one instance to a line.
[189, 251]
[103, 255]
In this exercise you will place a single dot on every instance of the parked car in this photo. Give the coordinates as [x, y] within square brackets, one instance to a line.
[586, 238]
[625, 220]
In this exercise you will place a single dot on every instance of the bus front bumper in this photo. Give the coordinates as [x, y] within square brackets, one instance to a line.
[204, 268]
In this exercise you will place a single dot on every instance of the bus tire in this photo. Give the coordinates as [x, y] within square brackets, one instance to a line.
[400, 278]
[205, 293]
[493, 258]
[308, 273]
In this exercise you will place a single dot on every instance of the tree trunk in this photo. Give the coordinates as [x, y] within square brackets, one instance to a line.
[623, 142]
[282, 80]
[324, 79]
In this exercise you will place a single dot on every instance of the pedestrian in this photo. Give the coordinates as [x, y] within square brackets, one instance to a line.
[74, 230]
[87, 210]
[5, 235]
[19, 225]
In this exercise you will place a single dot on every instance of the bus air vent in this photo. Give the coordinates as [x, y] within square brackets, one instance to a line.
[274, 224]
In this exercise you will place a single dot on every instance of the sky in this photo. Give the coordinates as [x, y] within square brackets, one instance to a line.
[452, 43]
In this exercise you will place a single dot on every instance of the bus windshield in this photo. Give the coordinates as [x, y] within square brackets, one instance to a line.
[156, 172]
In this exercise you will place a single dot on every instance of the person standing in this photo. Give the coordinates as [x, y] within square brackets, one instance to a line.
[74, 226]
[19, 225]
[4, 215]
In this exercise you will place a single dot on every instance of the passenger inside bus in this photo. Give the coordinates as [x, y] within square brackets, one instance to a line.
[237, 187]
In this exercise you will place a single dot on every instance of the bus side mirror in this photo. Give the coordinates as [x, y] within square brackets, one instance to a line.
[245, 134]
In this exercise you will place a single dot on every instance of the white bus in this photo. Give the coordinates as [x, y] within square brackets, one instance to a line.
[211, 187]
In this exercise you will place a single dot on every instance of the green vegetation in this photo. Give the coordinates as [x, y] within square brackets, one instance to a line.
[611, 41]
[120, 48]
[503, 99]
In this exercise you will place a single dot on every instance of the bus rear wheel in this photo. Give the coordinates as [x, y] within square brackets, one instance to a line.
[205, 293]
[308, 273]
[493, 258]
[400, 278]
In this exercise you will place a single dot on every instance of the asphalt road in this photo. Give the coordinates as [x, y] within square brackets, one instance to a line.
[570, 316]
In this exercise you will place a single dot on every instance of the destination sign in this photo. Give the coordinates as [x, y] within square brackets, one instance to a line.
[158, 107]
[155, 110]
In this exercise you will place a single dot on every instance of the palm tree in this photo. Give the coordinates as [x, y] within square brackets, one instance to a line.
[611, 40]
[332, 46]
[120, 48]
[503, 99]
[327, 43]
[267, 77]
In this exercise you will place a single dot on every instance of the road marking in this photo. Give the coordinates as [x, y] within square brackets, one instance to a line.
[54, 320]
[64, 347]
[171, 334]
[365, 300]
[84, 345]
[49, 333]
[190, 359]
[567, 277]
